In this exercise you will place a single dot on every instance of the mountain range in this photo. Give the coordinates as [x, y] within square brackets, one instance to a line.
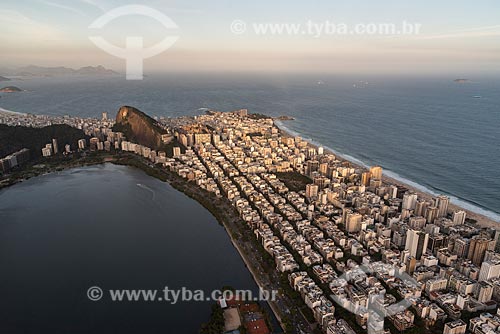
[33, 70]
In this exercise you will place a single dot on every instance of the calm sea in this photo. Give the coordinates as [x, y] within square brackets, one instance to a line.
[439, 135]
[116, 228]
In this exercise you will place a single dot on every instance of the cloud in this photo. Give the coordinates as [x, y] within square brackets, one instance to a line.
[95, 4]
[488, 31]
[60, 6]
[20, 30]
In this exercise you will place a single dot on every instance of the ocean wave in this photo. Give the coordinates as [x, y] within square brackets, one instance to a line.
[461, 202]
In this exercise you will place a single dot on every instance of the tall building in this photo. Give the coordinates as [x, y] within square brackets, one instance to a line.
[376, 172]
[435, 242]
[411, 264]
[93, 143]
[312, 190]
[421, 208]
[312, 166]
[55, 148]
[461, 247]
[104, 116]
[416, 243]
[353, 222]
[484, 292]
[416, 223]
[442, 203]
[489, 269]
[365, 178]
[431, 214]
[459, 217]
[81, 144]
[455, 327]
[409, 201]
[478, 247]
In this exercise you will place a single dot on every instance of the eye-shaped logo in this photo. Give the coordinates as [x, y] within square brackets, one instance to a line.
[134, 52]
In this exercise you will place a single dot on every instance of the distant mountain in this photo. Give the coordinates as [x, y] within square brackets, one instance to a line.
[95, 70]
[33, 70]
[139, 128]
[4, 78]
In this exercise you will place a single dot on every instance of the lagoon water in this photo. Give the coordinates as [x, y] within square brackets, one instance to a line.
[440, 135]
[116, 228]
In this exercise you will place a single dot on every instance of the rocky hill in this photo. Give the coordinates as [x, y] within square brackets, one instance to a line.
[139, 128]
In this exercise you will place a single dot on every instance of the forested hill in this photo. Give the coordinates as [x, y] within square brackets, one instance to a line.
[14, 138]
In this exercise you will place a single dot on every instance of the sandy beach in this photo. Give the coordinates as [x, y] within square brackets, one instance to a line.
[2, 110]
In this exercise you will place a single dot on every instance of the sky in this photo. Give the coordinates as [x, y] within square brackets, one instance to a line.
[459, 36]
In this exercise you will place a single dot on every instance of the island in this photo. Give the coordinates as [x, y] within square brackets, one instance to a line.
[4, 78]
[326, 234]
[461, 80]
[10, 89]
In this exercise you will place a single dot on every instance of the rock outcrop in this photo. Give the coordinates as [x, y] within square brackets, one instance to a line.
[139, 127]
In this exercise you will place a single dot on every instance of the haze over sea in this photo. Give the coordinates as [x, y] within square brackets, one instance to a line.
[433, 133]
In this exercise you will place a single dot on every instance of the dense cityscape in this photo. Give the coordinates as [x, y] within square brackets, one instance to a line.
[356, 248]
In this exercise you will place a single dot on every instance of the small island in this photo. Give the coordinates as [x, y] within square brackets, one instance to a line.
[461, 80]
[11, 89]
[4, 78]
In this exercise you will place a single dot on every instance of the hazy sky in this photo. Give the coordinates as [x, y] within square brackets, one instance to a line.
[455, 36]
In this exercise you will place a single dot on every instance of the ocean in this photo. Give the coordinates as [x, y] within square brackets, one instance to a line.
[431, 132]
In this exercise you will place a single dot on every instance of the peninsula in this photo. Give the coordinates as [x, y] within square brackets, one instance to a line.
[346, 246]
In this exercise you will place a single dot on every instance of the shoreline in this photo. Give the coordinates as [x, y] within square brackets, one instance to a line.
[481, 219]
[2, 110]
[226, 218]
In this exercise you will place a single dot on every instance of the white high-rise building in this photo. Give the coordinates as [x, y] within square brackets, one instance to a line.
[81, 144]
[442, 203]
[409, 201]
[489, 269]
[459, 217]
[55, 147]
[416, 243]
